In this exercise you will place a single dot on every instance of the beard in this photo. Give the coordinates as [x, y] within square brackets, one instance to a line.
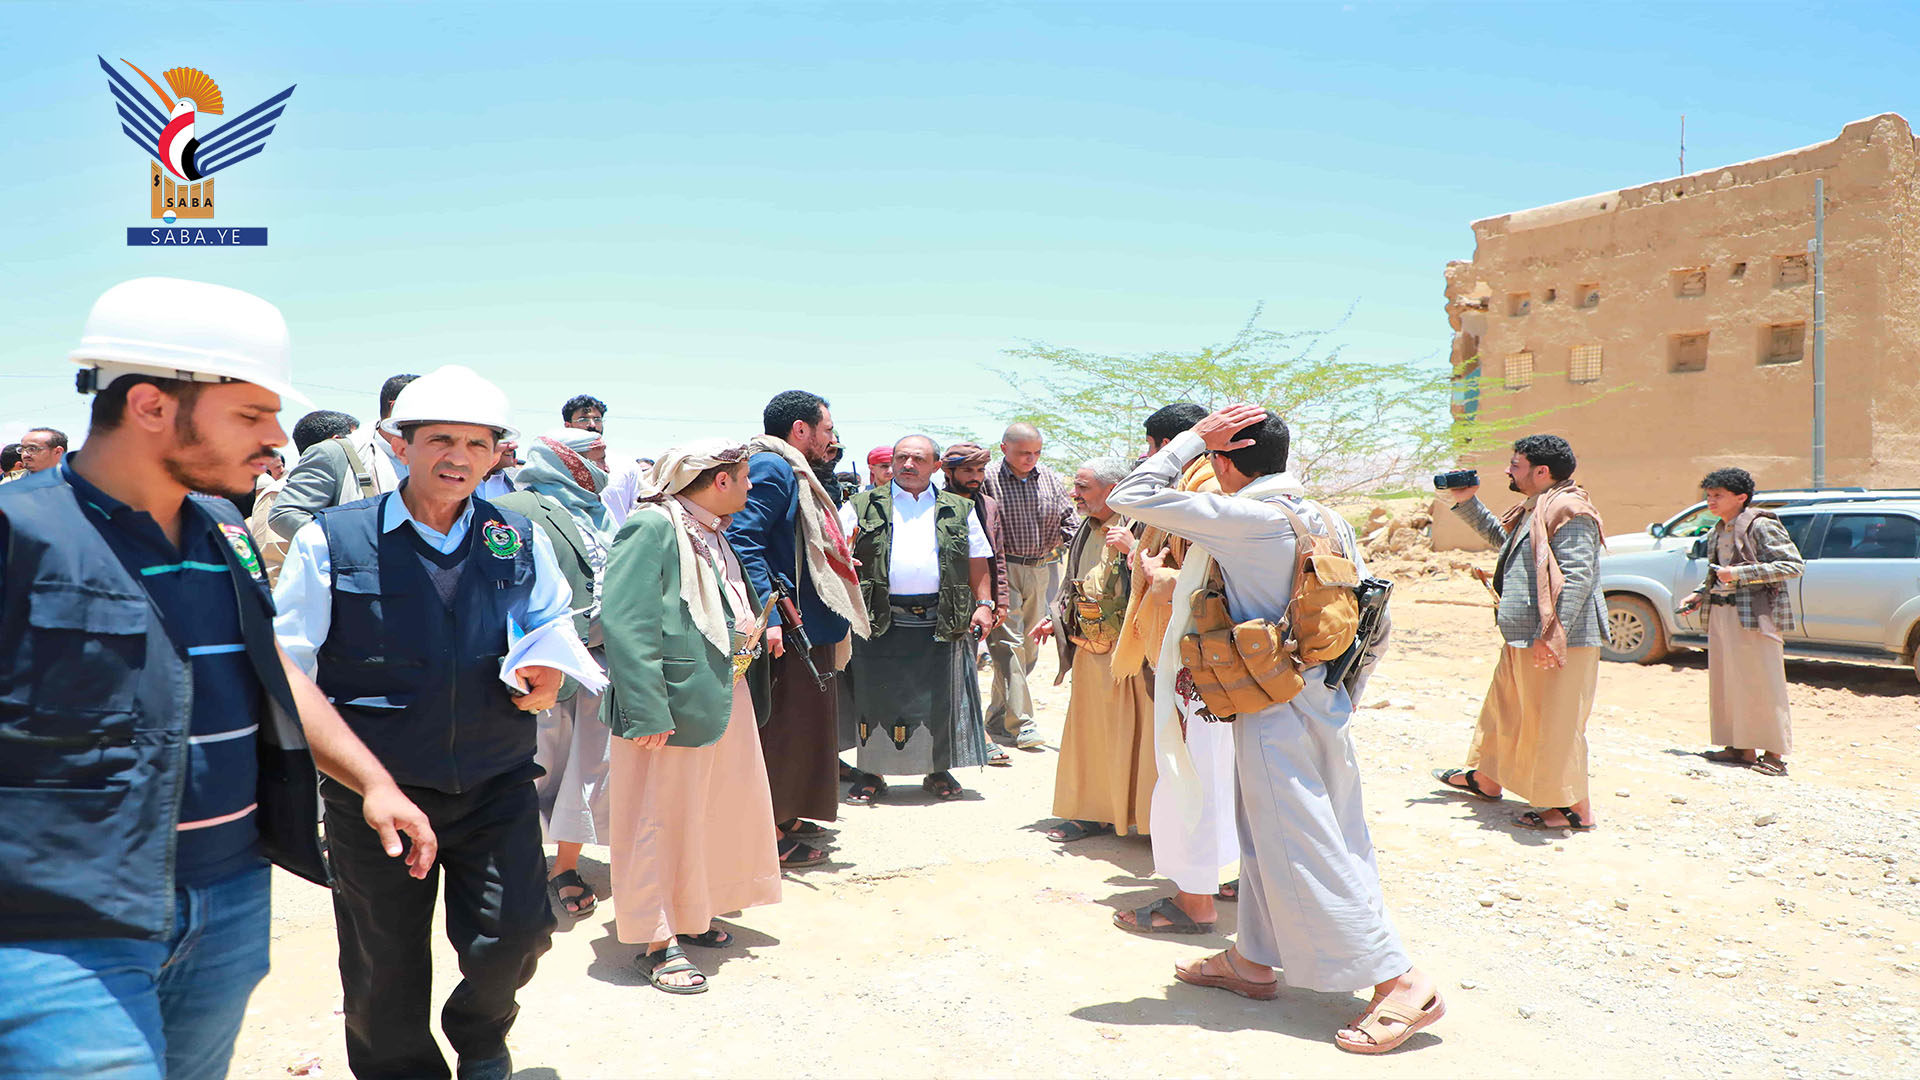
[1514, 486]
[969, 490]
[197, 467]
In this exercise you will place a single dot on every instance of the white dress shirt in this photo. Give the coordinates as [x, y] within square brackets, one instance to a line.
[304, 596]
[622, 492]
[913, 567]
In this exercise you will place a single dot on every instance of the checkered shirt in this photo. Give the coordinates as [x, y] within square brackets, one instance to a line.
[1036, 516]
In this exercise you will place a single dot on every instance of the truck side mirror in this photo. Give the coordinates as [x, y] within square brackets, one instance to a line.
[1657, 530]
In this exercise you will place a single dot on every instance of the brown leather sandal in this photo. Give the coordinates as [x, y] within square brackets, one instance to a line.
[1232, 982]
[1389, 1023]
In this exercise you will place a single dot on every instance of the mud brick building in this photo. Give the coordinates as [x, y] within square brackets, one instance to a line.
[1667, 329]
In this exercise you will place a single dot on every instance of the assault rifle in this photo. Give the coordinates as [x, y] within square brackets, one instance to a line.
[793, 630]
[1372, 593]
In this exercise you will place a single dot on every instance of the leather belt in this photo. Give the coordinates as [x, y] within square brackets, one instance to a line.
[1722, 598]
[918, 605]
[1024, 561]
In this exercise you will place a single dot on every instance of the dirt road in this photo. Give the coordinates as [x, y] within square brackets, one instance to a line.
[1719, 923]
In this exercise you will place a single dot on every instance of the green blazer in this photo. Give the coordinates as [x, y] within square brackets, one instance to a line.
[569, 550]
[665, 675]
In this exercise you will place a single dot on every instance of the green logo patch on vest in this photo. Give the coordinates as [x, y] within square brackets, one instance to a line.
[242, 544]
[500, 539]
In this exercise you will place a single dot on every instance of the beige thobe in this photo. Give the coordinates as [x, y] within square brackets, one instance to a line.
[693, 834]
[1532, 735]
[1746, 677]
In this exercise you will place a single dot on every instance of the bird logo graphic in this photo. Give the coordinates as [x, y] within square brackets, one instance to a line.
[173, 137]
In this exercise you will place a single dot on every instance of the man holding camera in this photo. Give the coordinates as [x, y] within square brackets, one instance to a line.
[1532, 733]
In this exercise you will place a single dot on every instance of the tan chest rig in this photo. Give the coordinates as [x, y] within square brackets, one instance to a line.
[1245, 667]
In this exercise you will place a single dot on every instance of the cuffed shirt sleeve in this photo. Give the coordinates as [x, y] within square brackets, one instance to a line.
[303, 599]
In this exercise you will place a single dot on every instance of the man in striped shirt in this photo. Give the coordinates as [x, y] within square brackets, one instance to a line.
[1036, 519]
[153, 763]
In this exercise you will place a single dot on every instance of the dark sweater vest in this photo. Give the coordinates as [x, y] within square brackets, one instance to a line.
[415, 670]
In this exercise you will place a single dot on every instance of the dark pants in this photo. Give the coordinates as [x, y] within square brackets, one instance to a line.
[498, 921]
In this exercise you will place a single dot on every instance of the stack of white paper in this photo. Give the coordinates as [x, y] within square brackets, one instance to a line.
[554, 645]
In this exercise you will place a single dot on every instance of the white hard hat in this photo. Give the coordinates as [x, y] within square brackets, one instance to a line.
[179, 329]
[451, 395]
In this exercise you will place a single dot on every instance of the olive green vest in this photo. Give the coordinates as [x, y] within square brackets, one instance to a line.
[873, 547]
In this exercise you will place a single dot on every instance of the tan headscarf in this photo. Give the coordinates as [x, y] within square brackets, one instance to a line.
[700, 567]
[963, 454]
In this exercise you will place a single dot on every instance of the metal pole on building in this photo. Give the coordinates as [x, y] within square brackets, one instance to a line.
[1818, 247]
[1683, 144]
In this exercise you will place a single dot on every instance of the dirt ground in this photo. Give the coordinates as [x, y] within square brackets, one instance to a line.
[1718, 923]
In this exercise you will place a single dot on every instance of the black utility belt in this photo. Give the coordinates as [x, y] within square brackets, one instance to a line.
[1022, 560]
[1722, 598]
[918, 604]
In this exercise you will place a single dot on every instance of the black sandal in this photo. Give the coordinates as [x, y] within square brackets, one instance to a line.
[803, 827]
[580, 905]
[1471, 787]
[795, 855]
[671, 961]
[1230, 892]
[1178, 922]
[1533, 819]
[1729, 756]
[866, 789]
[1770, 764]
[943, 786]
[1070, 830]
[714, 938]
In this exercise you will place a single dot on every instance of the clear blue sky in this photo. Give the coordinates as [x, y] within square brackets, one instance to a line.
[684, 208]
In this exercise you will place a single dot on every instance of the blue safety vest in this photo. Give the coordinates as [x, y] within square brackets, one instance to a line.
[418, 677]
[95, 707]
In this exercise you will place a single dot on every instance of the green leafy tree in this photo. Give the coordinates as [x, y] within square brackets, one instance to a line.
[1357, 425]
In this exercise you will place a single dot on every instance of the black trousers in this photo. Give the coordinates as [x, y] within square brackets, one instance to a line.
[498, 920]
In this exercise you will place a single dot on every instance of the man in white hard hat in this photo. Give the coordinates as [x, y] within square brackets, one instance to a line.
[357, 465]
[158, 748]
[400, 606]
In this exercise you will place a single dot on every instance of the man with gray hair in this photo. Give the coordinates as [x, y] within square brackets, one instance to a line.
[925, 572]
[1036, 519]
[1104, 782]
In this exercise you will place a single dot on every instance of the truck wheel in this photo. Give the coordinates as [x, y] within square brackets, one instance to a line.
[1638, 635]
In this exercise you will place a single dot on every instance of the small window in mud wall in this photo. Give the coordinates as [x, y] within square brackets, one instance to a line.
[1583, 364]
[1519, 371]
[1587, 295]
[1783, 343]
[1689, 281]
[1789, 270]
[1687, 352]
[1519, 303]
